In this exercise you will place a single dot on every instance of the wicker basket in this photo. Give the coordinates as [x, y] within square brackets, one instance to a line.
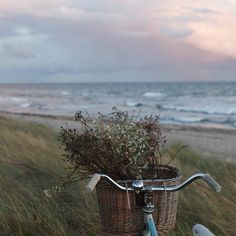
[118, 219]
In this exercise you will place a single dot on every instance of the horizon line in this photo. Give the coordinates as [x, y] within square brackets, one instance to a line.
[119, 82]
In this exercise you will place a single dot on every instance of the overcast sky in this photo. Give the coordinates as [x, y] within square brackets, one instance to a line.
[117, 40]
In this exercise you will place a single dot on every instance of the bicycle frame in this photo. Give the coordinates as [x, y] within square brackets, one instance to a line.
[148, 209]
[150, 225]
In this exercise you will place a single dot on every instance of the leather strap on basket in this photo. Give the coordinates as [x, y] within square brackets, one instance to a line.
[165, 192]
[127, 195]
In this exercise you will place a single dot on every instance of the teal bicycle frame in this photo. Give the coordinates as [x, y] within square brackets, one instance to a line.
[148, 209]
[150, 226]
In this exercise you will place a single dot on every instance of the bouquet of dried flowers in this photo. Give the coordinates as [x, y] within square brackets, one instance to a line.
[118, 144]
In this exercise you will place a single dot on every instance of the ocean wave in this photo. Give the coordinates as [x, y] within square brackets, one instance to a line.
[25, 105]
[228, 121]
[13, 99]
[183, 109]
[152, 94]
[65, 93]
[199, 120]
[134, 104]
[230, 111]
[85, 94]
[34, 105]
[189, 119]
[18, 99]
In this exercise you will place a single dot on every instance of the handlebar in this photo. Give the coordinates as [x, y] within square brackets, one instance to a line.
[212, 183]
[93, 182]
[206, 177]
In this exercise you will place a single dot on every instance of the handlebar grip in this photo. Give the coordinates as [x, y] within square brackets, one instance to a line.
[212, 183]
[93, 182]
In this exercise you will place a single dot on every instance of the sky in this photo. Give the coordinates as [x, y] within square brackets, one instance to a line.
[117, 40]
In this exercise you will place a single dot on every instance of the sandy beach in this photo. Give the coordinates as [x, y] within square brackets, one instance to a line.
[212, 142]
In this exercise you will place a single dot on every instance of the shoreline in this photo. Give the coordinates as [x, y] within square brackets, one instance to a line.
[210, 141]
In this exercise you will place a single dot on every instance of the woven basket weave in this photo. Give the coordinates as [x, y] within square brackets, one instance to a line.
[118, 219]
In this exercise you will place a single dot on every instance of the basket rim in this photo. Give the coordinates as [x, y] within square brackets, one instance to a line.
[178, 176]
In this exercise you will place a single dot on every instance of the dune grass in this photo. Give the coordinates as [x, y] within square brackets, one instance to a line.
[200, 204]
[30, 161]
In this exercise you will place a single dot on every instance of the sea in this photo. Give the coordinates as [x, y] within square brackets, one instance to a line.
[211, 104]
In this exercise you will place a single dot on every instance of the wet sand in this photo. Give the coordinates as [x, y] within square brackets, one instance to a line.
[213, 142]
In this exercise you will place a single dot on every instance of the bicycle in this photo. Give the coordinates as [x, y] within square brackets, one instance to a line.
[149, 208]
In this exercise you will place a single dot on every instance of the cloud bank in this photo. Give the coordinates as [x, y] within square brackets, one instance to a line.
[117, 40]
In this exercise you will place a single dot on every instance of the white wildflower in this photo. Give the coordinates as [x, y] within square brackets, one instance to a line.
[47, 193]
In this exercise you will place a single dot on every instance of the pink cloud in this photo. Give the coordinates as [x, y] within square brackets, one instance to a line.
[217, 35]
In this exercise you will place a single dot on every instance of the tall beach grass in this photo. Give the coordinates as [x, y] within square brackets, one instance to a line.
[30, 162]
